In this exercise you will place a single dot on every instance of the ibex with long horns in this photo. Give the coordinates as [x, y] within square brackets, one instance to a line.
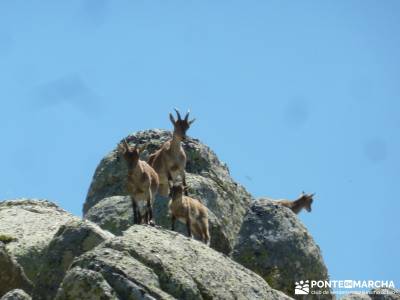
[142, 183]
[170, 160]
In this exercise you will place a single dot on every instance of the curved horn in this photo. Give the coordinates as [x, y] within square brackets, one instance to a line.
[178, 114]
[187, 115]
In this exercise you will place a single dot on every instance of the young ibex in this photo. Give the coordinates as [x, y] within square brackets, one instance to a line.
[142, 183]
[170, 160]
[189, 211]
[304, 201]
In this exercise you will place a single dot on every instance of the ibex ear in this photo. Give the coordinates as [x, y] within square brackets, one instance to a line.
[192, 121]
[171, 117]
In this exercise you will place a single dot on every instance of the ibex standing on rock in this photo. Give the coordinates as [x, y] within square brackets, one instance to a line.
[142, 183]
[170, 160]
[304, 201]
[191, 212]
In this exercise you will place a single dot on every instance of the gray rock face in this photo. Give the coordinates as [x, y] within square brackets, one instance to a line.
[32, 223]
[275, 244]
[208, 180]
[119, 275]
[16, 295]
[85, 285]
[154, 263]
[114, 214]
[12, 276]
[71, 240]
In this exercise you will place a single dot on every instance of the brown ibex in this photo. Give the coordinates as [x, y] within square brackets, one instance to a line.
[189, 211]
[170, 160]
[304, 201]
[142, 183]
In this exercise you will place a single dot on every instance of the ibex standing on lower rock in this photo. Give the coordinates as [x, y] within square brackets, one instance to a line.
[191, 212]
[170, 160]
[142, 183]
[304, 201]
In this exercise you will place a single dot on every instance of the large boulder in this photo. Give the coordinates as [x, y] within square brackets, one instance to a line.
[110, 274]
[114, 214]
[208, 180]
[275, 244]
[32, 224]
[71, 240]
[154, 263]
[85, 285]
[16, 295]
[12, 276]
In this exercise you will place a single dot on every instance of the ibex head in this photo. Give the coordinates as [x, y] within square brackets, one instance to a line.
[176, 191]
[181, 125]
[307, 200]
[131, 154]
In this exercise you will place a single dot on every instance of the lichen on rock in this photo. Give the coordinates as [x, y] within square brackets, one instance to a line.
[71, 240]
[157, 263]
[32, 223]
[16, 294]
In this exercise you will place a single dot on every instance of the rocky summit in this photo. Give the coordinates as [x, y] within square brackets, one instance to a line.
[207, 177]
[258, 248]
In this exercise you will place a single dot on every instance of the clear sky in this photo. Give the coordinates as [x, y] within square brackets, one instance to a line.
[292, 95]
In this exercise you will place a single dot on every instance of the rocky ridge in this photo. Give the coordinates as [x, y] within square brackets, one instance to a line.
[55, 255]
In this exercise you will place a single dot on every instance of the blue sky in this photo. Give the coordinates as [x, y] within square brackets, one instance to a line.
[293, 95]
